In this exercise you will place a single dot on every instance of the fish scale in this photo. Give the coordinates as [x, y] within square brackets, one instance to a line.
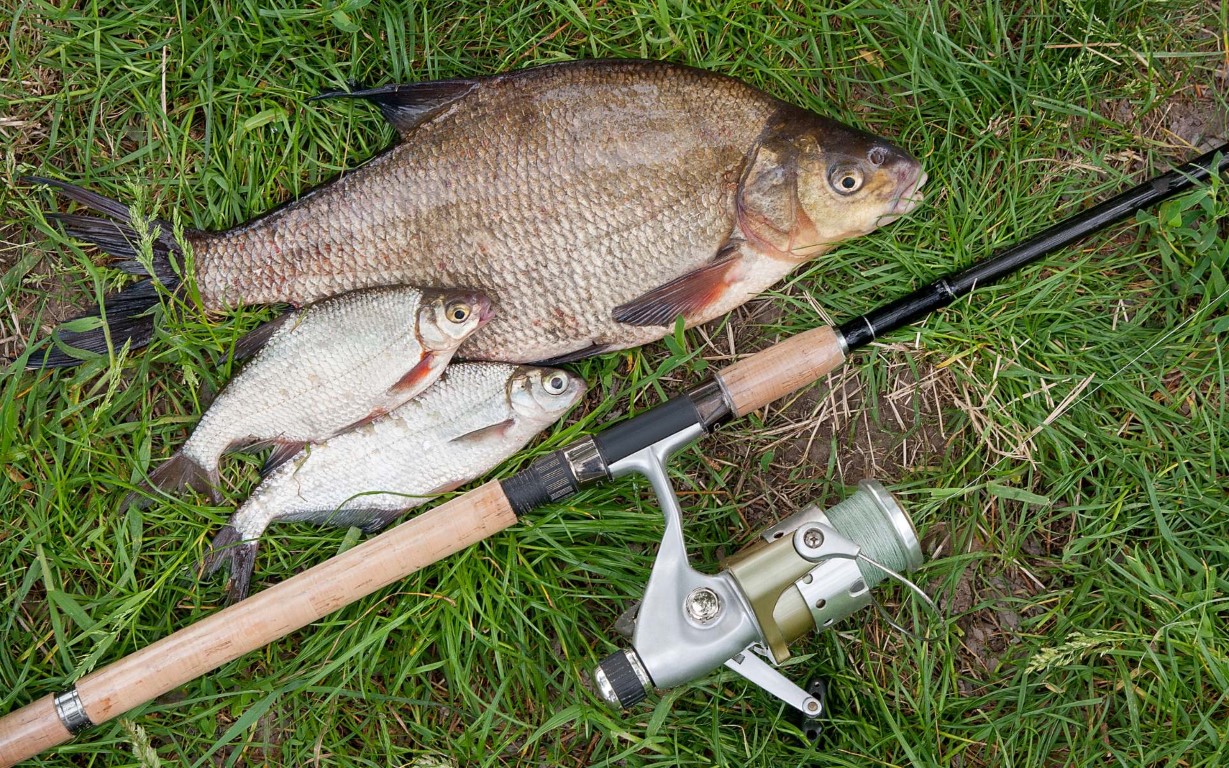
[325, 368]
[595, 202]
[609, 203]
[474, 417]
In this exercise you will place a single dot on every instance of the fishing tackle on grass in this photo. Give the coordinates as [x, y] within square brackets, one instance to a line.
[641, 442]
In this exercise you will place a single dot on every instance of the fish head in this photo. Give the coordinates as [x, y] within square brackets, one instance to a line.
[448, 317]
[542, 395]
[814, 182]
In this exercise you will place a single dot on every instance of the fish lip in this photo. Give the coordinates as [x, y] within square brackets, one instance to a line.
[486, 313]
[486, 309]
[908, 198]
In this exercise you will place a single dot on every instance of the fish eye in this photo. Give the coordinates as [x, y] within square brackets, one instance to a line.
[846, 179]
[555, 384]
[457, 311]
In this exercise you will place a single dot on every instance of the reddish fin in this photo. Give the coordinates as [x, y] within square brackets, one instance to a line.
[237, 556]
[283, 451]
[175, 474]
[256, 339]
[417, 378]
[412, 104]
[376, 413]
[480, 434]
[686, 295]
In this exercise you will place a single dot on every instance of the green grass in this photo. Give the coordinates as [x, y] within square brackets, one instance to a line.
[1070, 439]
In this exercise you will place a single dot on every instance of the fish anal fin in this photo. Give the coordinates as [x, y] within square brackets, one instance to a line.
[283, 451]
[409, 105]
[580, 354]
[256, 339]
[230, 551]
[484, 432]
[416, 379]
[381, 519]
[685, 295]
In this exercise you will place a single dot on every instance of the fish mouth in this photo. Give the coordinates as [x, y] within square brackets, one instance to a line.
[907, 199]
[486, 313]
[486, 309]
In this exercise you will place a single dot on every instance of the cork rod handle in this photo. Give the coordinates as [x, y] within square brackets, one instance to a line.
[262, 618]
[756, 381]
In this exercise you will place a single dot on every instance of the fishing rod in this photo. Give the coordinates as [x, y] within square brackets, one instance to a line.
[640, 445]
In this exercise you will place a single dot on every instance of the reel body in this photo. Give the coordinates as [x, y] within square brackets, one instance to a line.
[805, 574]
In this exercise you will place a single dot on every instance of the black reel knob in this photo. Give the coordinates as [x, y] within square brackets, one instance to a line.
[813, 727]
[621, 679]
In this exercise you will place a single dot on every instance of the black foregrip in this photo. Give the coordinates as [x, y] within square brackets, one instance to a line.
[554, 477]
[624, 439]
[547, 480]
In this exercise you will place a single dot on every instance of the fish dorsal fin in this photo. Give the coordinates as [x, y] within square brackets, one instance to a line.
[256, 339]
[410, 105]
[685, 295]
[477, 435]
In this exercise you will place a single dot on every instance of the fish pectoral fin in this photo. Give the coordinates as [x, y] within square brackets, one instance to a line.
[283, 451]
[484, 432]
[416, 379]
[255, 340]
[685, 295]
[409, 105]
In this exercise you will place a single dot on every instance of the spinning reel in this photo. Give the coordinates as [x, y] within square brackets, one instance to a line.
[805, 574]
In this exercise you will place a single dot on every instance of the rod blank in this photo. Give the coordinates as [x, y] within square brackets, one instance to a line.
[908, 309]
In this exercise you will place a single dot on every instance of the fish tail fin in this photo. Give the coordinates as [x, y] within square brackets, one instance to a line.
[231, 551]
[125, 317]
[179, 472]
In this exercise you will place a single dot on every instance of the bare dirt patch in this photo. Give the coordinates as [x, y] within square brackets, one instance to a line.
[26, 118]
[872, 419]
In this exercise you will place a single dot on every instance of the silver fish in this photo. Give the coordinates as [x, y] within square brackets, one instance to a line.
[474, 417]
[323, 369]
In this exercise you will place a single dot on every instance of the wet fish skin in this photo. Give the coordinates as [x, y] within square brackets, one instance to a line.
[320, 370]
[595, 201]
[474, 417]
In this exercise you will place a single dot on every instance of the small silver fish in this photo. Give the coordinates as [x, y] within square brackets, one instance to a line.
[474, 417]
[323, 369]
